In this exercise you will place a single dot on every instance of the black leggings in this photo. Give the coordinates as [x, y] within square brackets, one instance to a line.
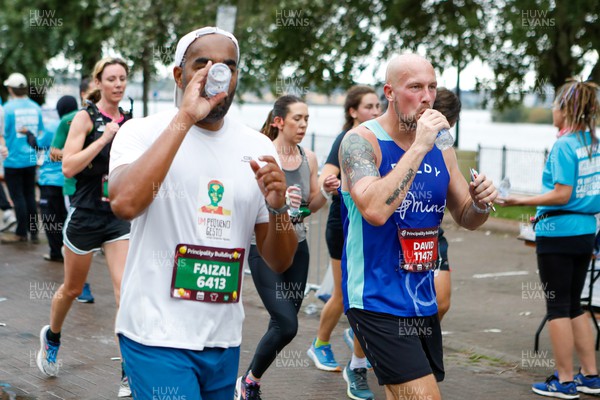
[563, 277]
[282, 295]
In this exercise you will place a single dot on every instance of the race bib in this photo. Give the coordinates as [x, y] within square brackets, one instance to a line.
[207, 274]
[419, 249]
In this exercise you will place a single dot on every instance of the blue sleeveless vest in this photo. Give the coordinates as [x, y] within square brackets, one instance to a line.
[372, 278]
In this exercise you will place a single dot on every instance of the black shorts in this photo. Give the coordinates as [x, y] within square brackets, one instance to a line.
[86, 231]
[399, 349]
[443, 251]
[335, 242]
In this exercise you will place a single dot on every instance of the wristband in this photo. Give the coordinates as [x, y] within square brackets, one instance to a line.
[277, 211]
[478, 210]
[325, 194]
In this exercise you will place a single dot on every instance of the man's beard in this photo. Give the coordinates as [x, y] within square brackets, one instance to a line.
[220, 110]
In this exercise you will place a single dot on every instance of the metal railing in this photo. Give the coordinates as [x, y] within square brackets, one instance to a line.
[523, 167]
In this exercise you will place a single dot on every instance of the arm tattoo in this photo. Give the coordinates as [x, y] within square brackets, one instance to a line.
[358, 159]
[402, 188]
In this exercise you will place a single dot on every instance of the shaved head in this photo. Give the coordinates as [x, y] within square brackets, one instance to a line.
[410, 87]
[403, 65]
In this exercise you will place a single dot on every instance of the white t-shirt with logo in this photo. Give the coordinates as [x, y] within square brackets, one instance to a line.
[182, 213]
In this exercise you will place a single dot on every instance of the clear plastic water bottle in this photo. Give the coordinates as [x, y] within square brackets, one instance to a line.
[504, 188]
[218, 79]
[444, 140]
[294, 211]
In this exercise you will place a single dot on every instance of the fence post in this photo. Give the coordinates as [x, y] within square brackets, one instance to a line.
[312, 141]
[478, 157]
[503, 162]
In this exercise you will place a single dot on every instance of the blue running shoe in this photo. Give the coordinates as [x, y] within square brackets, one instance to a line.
[553, 388]
[349, 339]
[323, 357]
[46, 357]
[358, 387]
[587, 384]
[86, 294]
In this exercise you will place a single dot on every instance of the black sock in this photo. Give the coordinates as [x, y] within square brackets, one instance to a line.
[53, 337]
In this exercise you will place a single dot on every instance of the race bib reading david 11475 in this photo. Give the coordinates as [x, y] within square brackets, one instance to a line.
[207, 274]
[419, 249]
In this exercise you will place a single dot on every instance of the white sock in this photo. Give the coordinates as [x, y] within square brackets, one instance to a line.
[358, 362]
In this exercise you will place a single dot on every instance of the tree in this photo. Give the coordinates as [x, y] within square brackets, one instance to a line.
[552, 39]
[302, 45]
[30, 34]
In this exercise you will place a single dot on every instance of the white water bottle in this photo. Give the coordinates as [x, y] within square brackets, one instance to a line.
[218, 79]
[444, 139]
[504, 187]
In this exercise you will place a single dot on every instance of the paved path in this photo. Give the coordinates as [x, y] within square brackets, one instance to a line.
[488, 331]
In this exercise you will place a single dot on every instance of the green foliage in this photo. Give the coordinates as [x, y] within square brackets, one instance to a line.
[302, 45]
[318, 45]
[453, 32]
[30, 37]
[550, 38]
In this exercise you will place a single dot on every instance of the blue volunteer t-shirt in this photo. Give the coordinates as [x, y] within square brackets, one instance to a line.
[569, 164]
[19, 113]
[372, 278]
[50, 172]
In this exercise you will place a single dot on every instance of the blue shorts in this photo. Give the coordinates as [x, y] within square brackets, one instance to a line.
[169, 373]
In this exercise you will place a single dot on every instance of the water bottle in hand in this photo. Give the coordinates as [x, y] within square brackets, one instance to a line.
[294, 206]
[444, 139]
[218, 79]
[504, 188]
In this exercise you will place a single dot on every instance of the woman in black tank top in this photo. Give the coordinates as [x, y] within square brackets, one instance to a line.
[90, 225]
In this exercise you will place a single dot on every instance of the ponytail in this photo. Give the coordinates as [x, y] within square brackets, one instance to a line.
[268, 129]
[280, 109]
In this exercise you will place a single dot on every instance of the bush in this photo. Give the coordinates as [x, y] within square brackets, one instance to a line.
[539, 115]
[513, 115]
[520, 114]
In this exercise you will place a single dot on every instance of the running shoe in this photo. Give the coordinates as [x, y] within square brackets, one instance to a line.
[587, 384]
[10, 238]
[323, 357]
[86, 294]
[124, 389]
[8, 220]
[349, 339]
[553, 388]
[357, 385]
[245, 390]
[46, 357]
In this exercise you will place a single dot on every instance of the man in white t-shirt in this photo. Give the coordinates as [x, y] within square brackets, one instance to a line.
[180, 319]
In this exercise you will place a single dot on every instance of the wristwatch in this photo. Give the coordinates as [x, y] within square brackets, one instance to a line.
[277, 211]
